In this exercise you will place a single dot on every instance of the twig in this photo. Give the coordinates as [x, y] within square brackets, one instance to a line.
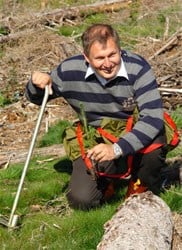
[174, 39]
[6, 164]
[170, 90]
[170, 41]
[166, 29]
[46, 160]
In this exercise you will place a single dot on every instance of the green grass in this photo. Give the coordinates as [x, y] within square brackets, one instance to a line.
[176, 115]
[68, 229]
[173, 197]
[134, 28]
[3, 100]
[54, 134]
[49, 229]
[51, 4]
[54, 225]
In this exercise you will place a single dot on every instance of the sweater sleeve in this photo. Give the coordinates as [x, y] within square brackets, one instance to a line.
[150, 121]
[35, 94]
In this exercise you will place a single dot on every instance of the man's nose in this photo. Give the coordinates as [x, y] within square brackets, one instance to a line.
[107, 62]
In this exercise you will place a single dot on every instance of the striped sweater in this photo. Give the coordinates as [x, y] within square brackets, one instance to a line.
[116, 100]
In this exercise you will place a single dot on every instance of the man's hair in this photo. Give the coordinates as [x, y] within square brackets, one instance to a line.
[100, 33]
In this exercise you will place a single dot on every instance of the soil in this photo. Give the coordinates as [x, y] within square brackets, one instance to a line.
[42, 49]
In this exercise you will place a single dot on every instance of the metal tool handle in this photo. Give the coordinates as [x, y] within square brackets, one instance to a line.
[46, 95]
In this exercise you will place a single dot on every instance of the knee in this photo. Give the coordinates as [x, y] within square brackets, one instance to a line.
[150, 173]
[83, 201]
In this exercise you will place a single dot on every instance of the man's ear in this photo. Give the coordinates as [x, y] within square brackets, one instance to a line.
[86, 57]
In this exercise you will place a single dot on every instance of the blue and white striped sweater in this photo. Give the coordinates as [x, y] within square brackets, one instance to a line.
[117, 99]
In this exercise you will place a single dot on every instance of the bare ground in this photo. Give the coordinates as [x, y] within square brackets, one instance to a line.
[41, 49]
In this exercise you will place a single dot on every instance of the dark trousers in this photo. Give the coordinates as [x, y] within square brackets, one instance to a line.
[85, 193]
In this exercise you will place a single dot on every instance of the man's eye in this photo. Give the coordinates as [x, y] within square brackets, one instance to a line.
[112, 55]
[99, 58]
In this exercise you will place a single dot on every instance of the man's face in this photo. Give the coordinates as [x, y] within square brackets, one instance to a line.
[105, 59]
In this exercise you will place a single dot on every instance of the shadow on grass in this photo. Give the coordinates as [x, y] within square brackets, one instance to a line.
[64, 166]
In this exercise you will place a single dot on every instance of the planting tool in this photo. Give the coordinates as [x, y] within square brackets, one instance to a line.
[13, 220]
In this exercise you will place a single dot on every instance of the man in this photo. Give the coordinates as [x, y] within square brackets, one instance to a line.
[110, 83]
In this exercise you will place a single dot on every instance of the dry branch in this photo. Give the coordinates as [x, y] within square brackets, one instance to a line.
[174, 159]
[171, 90]
[84, 10]
[171, 41]
[144, 221]
[67, 14]
[15, 36]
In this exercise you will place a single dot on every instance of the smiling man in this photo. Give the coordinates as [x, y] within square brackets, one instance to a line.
[106, 86]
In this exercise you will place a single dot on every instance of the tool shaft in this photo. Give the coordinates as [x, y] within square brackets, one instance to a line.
[10, 223]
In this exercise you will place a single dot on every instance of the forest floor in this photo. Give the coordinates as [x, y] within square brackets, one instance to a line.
[39, 48]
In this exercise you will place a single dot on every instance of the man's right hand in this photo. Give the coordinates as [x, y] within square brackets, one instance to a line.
[41, 80]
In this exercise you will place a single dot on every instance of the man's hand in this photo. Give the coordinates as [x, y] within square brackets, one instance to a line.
[101, 152]
[41, 80]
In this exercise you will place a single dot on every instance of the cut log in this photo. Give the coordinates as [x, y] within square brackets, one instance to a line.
[17, 156]
[16, 36]
[144, 221]
[58, 16]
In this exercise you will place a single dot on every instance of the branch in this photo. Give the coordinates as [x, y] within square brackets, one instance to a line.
[84, 10]
[170, 90]
[172, 40]
[15, 36]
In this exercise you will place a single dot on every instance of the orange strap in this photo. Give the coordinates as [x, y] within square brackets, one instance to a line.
[111, 137]
[107, 135]
[169, 120]
[88, 162]
[114, 139]
[120, 176]
[150, 148]
[129, 124]
[80, 142]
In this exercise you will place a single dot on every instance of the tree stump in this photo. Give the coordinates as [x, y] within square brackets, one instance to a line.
[144, 221]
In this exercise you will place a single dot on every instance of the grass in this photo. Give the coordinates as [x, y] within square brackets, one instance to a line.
[54, 134]
[132, 29]
[3, 100]
[47, 221]
[51, 4]
[67, 229]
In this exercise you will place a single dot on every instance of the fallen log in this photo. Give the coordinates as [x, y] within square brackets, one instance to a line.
[58, 16]
[144, 221]
[16, 36]
[17, 155]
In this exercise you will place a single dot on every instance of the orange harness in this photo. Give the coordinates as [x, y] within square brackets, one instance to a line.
[113, 139]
